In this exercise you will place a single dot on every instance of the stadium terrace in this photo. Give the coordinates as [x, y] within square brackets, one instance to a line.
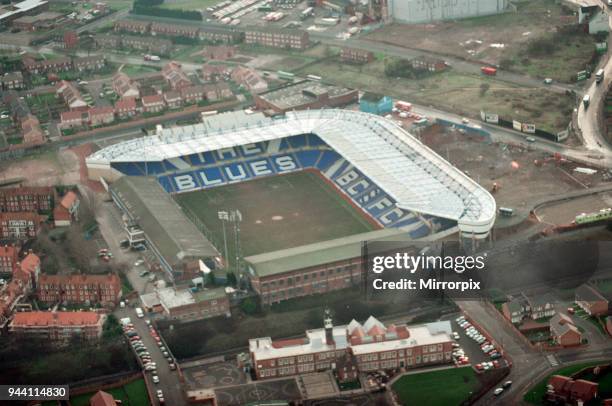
[382, 168]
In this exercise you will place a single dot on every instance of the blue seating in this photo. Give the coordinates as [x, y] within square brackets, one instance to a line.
[315, 141]
[308, 159]
[420, 232]
[298, 141]
[327, 159]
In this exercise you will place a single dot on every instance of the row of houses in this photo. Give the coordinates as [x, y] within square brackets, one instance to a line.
[212, 34]
[131, 106]
[63, 64]
[79, 289]
[24, 272]
[353, 348]
[137, 42]
[31, 130]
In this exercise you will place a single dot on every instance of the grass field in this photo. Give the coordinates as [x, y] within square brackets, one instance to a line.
[189, 4]
[454, 91]
[288, 210]
[132, 394]
[438, 388]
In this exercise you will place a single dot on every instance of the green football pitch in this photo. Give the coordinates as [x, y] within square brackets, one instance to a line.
[277, 212]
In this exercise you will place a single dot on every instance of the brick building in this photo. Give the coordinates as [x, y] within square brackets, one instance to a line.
[565, 390]
[101, 115]
[563, 331]
[217, 91]
[124, 86]
[139, 27]
[26, 198]
[428, 64]
[11, 80]
[192, 94]
[20, 225]
[89, 63]
[9, 255]
[103, 289]
[71, 95]
[304, 95]
[303, 271]
[186, 304]
[175, 77]
[220, 35]
[591, 300]
[34, 67]
[58, 327]
[126, 107]
[153, 103]
[277, 38]
[356, 55]
[373, 345]
[174, 30]
[250, 79]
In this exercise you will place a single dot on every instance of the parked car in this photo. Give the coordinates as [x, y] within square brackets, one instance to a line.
[155, 379]
[498, 391]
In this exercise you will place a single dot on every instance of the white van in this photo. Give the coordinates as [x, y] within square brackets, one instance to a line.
[139, 313]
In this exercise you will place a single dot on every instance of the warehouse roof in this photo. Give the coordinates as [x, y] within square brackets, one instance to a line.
[162, 219]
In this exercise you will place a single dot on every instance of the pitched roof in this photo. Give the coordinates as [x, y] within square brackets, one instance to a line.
[152, 99]
[30, 263]
[55, 318]
[589, 293]
[69, 199]
[102, 398]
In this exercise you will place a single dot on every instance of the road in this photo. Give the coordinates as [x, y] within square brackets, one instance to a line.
[457, 64]
[526, 362]
[168, 380]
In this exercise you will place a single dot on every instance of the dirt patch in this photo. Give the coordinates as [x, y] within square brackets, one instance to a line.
[523, 176]
[478, 38]
[50, 168]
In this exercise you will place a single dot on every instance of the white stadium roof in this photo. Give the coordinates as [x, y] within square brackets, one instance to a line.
[409, 171]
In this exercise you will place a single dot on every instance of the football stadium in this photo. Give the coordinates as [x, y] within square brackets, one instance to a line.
[305, 182]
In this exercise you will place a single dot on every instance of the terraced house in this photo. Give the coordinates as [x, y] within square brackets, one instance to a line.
[103, 289]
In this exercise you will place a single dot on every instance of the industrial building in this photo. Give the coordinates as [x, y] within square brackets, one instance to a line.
[426, 11]
[304, 95]
[187, 304]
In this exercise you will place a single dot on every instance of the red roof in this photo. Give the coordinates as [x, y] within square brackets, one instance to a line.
[71, 115]
[558, 382]
[30, 263]
[102, 398]
[26, 319]
[9, 251]
[152, 99]
[69, 199]
[126, 104]
[21, 215]
[61, 213]
[94, 111]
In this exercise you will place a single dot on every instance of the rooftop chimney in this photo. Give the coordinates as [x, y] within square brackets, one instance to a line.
[327, 322]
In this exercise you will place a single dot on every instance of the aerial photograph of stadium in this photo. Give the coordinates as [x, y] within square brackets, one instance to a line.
[305, 202]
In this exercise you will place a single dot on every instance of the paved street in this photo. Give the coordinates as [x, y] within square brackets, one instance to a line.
[169, 380]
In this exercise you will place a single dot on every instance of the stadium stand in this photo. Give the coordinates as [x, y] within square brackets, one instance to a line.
[388, 173]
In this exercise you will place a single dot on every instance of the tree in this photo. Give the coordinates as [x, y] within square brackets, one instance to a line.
[249, 306]
[231, 279]
[112, 328]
